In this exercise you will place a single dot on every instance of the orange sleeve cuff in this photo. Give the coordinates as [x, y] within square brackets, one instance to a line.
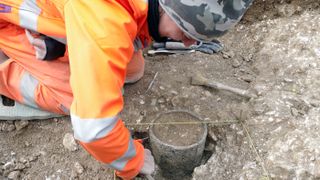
[134, 166]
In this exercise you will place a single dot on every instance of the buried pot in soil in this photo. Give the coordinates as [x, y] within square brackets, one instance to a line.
[177, 140]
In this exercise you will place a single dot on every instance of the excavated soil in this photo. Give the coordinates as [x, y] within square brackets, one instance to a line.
[274, 52]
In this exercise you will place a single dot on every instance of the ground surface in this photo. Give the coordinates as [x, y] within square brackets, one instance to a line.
[274, 52]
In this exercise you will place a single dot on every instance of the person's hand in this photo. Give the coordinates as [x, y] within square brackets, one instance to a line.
[172, 47]
[209, 47]
[148, 165]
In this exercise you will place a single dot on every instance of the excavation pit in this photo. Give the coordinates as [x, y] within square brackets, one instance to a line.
[177, 140]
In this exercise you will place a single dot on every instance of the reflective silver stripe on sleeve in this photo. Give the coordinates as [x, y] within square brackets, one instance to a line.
[28, 86]
[28, 14]
[120, 163]
[88, 130]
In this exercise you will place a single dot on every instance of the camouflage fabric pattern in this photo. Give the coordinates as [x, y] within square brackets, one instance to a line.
[204, 20]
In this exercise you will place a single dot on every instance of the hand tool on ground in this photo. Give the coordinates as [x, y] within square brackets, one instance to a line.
[199, 80]
[177, 47]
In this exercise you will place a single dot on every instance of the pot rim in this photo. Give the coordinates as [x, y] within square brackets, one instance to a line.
[202, 140]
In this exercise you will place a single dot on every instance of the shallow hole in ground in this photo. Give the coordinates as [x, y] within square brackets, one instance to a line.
[207, 153]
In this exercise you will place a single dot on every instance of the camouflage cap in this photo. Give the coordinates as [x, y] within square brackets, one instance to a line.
[204, 20]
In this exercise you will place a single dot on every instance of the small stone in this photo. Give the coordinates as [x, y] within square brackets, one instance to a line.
[288, 10]
[69, 142]
[287, 80]
[27, 177]
[78, 168]
[8, 165]
[207, 93]
[4, 126]
[14, 175]
[19, 166]
[197, 108]
[175, 101]
[41, 153]
[26, 144]
[21, 124]
[143, 113]
[247, 58]
[173, 56]
[142, 101]
[210, 147]
[213, 135]
[161, 100]
[247, 78]
[139, 119]
[312, 158]
[74, 175]
[156, 109]
[236, 63]
[23, 160]
[32, 158]
[294, 112]
[314, 103]
[153, 102]
[227, 55]
[173, 92]
[11, 128]
[161, 87]
[27, 164]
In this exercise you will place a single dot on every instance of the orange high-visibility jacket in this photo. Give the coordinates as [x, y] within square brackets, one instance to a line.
[102, 36]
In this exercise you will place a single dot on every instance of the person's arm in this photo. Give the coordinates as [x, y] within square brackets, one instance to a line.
[100, 35]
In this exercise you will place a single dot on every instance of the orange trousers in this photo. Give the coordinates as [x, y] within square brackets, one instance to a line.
[42, 84]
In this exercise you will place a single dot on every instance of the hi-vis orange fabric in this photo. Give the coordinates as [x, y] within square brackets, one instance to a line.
[102, 36]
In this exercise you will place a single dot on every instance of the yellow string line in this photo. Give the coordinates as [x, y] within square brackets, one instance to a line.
[184, 123]
[255, 150]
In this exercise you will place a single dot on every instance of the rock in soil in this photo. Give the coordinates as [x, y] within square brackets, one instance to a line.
[69, 142]
[21, 124]
[7, 127]
[14, 175]
[78, 168]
